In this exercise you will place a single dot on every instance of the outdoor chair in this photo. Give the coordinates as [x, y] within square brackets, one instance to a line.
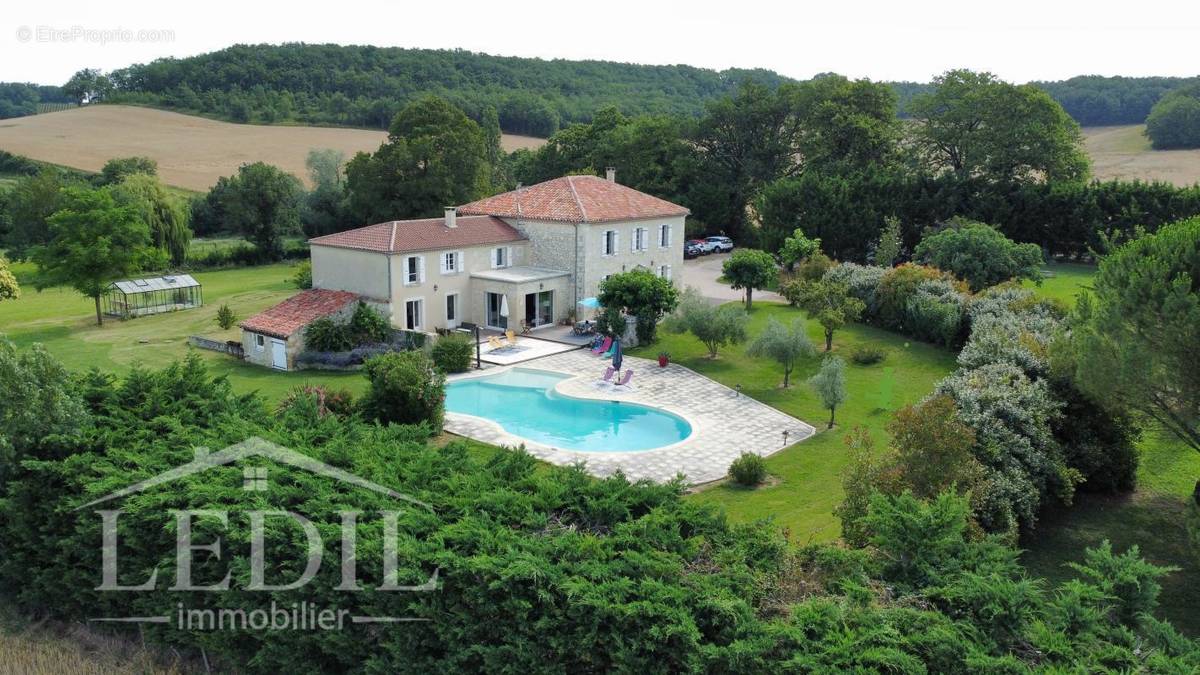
[494, 342]
[625, 380]
[511, 336]
[608, 373]
[603, 346]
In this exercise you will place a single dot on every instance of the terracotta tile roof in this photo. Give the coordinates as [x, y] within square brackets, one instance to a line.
[575, 199]
[298, 311]
[427, 234]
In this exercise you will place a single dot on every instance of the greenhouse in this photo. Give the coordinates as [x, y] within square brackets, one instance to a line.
[140, 297]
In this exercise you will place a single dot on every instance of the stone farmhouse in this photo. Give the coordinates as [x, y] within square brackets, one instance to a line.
[519, 259]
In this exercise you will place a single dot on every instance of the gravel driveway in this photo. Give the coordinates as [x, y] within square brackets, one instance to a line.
[703, 272]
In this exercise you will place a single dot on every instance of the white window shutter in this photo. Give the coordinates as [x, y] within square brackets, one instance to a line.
[460, 259]
[616, 241]
[508, 261]
[421, 269]
[668, 272]
[442, 263]
[495, 259]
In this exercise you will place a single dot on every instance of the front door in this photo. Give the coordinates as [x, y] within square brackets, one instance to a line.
[278, 354]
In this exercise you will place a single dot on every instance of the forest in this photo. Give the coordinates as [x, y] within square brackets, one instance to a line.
[365, 86]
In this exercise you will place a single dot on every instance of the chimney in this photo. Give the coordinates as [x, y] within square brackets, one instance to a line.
[451, 217]
[611, 174]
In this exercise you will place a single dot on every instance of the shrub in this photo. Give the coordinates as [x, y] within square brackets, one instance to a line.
[896, 287]
[867, 354]
[302, 279]
[748, 469]
[327, 335]
[862, 281]
[813, 267]
[1125, 577]
[365, 327]
[323, 401]
[453, 353]
[404, 388]
[935, 313]
[979, 254]
[225, 317]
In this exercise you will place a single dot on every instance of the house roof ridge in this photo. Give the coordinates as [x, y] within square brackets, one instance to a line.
[578, 202]
[392, 241]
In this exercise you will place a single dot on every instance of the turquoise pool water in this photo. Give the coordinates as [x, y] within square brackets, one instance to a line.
[525, 404]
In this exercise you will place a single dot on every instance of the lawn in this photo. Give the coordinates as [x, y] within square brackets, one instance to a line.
[64, 322]
[809, 473]
[1064, 281]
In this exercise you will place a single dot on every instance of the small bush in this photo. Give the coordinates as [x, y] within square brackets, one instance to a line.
[327, 335]
[338, 402]
[405, 388]
[365, 327]
[225, 317]
[866, 355]
[748, 469]
[452, 353]
[303, 277]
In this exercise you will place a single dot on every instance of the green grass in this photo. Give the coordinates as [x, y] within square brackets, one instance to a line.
[64, 322]
[808, 474]
[1064, 281]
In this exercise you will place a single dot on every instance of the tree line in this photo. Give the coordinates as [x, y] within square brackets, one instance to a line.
[366, 86]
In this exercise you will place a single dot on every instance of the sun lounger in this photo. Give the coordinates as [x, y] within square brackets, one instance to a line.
[625, 380]
[608, 373]
[494, 342]
[512, 337]
[603, 346]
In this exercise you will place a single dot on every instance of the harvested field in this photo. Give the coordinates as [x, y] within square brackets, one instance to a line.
[192, 152]
[1124, 152]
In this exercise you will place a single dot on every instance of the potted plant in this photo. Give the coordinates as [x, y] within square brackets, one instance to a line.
[663, 359]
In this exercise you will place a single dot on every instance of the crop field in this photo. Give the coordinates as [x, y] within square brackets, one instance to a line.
[1124, 152]
[192, 152]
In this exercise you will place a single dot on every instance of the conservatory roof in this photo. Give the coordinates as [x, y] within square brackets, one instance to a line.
[163, 283]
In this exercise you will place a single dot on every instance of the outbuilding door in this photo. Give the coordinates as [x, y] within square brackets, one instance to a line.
[278, 354]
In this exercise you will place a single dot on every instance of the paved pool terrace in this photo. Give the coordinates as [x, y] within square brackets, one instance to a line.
[724, 423]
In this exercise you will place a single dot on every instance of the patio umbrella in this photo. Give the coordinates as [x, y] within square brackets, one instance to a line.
[617, 356]
[590, 303]
[504, 305]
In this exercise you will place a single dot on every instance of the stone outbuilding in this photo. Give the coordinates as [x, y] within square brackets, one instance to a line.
[274, 337]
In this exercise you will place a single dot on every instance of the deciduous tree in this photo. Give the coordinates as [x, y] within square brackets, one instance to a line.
[263, 203]
[93, 242]
[749, 269]
[827, 301]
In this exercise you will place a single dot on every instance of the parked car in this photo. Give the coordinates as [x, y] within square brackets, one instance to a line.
[693, 249]
[720, 244]
[702, 244]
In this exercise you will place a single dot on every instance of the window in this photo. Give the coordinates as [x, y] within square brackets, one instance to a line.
[451, 262]
[414, 270]
[414, 311]
[640, 235]
[452, 310]
[664, 271]
[501, 257]
[259, 342]
[664, 236]
[608, 244]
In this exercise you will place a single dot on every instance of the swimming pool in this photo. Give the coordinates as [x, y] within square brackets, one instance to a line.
[525, 404]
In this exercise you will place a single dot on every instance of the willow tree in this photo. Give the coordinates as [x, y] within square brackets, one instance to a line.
[163, 213]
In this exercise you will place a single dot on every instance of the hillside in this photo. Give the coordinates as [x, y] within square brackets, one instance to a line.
[1124, 152]
[192, 152]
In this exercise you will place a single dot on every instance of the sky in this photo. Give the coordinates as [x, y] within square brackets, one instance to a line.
[45, 41]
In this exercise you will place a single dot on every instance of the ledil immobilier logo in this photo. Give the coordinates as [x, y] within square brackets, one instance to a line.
[299, 615]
